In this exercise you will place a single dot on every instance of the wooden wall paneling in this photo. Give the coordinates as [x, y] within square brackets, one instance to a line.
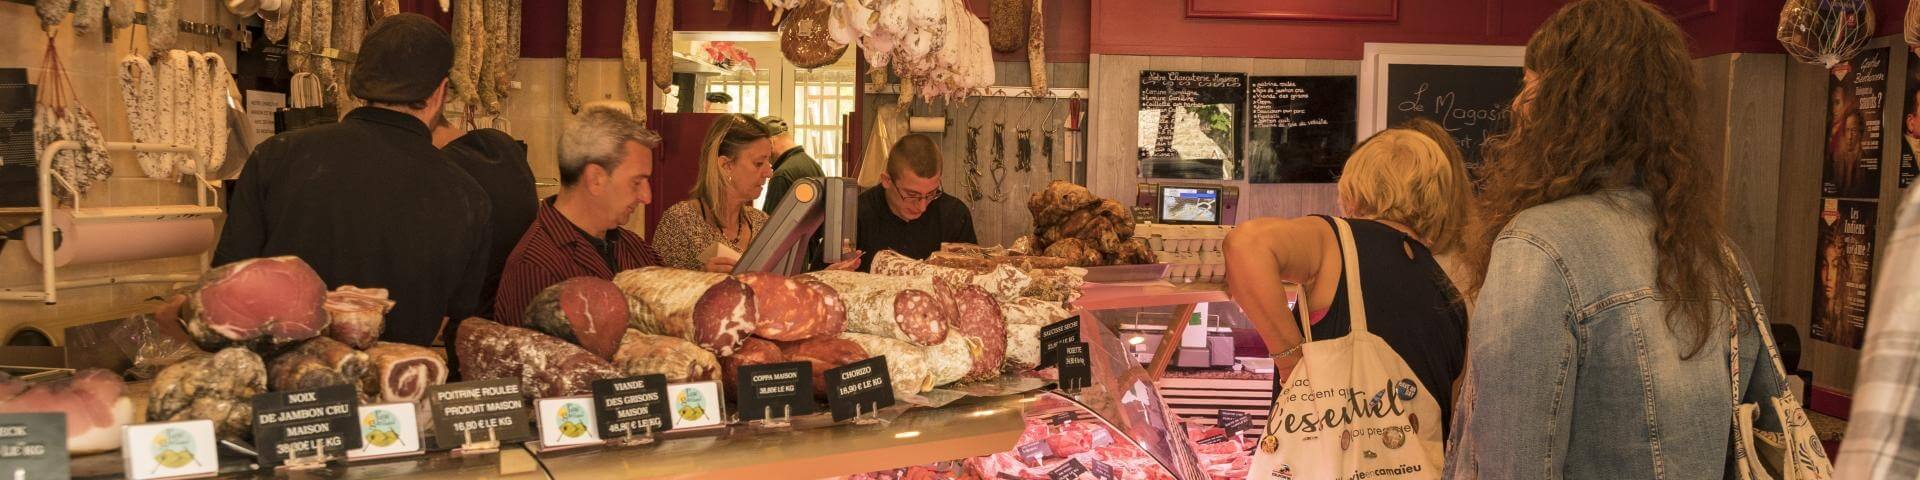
[1751, 160]
[1802, 138]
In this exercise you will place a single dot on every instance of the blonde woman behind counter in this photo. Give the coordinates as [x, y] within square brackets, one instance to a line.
[734, 166]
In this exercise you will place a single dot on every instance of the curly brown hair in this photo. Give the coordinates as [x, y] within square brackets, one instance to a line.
[1610, 104]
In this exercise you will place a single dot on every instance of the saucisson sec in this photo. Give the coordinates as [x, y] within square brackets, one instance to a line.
[677, 359]
[713, 310]
[892, 307]
[1004, 282]
[906, 363]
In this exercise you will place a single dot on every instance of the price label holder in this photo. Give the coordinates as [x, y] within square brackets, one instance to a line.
[1055, 334]
[623, 406]
[772, 394]
[1101, 437]
[566, 422]
[859, 389]
[480, 415]
[33, 445]
[1035, 453]
[1216, 439]
[170, 450]
[1075, 372]
[696, 405]
[388, 430]
[1234, 421]
[304, 429]
[1101, 470]
[1072, 470]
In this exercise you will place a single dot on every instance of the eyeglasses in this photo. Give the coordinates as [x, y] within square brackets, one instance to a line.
[928, 197]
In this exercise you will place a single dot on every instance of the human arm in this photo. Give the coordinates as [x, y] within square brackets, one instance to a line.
[1263, 256]
[1523, 340]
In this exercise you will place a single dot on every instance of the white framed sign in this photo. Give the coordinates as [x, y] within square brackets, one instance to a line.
[170, 450]
[567, 421]
[1468, 89]
[386, 430]
[695, 405]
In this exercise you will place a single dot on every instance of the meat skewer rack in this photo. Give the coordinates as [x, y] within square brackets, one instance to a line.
[49, 283]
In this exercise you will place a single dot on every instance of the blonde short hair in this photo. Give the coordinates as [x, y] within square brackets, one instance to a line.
[1402, 176]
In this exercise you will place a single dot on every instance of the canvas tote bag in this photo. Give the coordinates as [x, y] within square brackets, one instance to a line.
[1772, 437]
[1351, 409]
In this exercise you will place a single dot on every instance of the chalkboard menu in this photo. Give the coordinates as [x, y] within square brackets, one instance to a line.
[1300, 129]
[1471, 102]
[1190, 124]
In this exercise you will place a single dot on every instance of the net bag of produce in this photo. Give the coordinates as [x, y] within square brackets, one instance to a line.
[1825, 32]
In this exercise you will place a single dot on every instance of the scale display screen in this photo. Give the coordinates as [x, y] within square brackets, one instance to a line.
[1190, 205]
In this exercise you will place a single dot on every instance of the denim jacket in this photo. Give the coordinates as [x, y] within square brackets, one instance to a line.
[1574, 370]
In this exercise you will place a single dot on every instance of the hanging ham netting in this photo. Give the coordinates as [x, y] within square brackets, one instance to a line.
[1825, 32]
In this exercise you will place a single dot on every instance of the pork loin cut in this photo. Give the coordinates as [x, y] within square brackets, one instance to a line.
[715, 311]
[94, 401]
[218, 387]
[588, 311]
[358, 314]
[544, 365]
[401, 373]
[677, 359]
[258, 303]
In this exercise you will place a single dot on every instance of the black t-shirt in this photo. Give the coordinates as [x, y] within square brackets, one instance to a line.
[946, 220]
[604, 245]
[499, 164]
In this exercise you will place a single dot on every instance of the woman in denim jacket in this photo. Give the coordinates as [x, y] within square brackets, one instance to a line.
[1599, 343]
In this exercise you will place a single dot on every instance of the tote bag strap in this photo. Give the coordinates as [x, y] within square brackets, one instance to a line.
[1300, 310]
[1356, 305]
[1759, 322]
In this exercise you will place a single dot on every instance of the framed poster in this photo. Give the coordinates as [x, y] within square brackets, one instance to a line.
[1856, 89]
[1190, 125]
[1299, 129]
[1910, 122]
[1843, 271]
[1467, 89]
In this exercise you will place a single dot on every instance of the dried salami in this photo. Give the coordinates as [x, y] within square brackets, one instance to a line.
[546, 366]
[137, 92]
[633, 67]
[1002, 281]
[892, 307]
[1032, 311]
[790, 310]
[573, 55]
[713, 310]
[906, 363]
[1023, 348]
[661, 62]
[951, 360]
[677, 359]
[978, 319]
[163, 24]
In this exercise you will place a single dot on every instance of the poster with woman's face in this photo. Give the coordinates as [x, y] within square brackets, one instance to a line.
[1843, 271]
[1856, 90]
[1910, 122]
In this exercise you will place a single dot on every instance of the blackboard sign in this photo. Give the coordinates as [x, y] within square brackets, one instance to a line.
[1055, 334]
[1471, 102]
[864, 385]
[631, 405]
[775, 390]
[1190, 124]
[305, 422]
[1234, 421]
[479, 407]
[1035, 452]
[1072, 470]
[35, 443]
[1300, 129]
[1075, 372]
[1101, 470]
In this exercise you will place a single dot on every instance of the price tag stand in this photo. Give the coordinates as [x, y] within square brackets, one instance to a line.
[767, 420]
[470, 447]
[871, 416]
[628, 440]
[299, 463]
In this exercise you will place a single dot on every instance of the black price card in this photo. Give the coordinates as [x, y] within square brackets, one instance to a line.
[1101, 470]
[478, 407]
[1234, 421]
[1061, 418]
[1075, 372]
[1072, 470]
[1054, 334]
[865, 385]
[631, 405]
[1221, 438]
[775, 390]
[35, 443]
[301, 424]
[1036, 452]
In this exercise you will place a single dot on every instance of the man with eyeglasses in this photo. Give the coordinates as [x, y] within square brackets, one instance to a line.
[907, 213]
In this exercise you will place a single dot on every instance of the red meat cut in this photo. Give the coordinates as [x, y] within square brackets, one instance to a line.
[588, 311]
[359, 314]
[402, 372]
[544, 365]
[258, 303]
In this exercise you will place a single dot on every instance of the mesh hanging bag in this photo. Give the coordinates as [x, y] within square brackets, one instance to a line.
[1825, 32]
[1911, 25]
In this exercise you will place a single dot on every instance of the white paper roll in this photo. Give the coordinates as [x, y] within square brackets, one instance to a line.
[122, 240]
[927, 124]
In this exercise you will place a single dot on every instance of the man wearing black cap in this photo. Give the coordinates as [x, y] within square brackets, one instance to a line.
[369, 201]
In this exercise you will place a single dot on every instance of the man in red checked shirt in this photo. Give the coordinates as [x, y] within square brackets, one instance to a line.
[606, 160]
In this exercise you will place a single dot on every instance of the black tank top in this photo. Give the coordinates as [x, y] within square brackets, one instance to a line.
[1410, 303]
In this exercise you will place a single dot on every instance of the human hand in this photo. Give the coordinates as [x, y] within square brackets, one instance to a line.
[720, 264]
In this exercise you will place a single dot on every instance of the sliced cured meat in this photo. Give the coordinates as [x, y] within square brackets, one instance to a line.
[906, 363]
[218, 387]
[1003, 282]
[677, 359]
[315, 363]
[824, 353]
[401, 373]
[754, 351]
[94, 401]
[544, 365]
[588, 311]
[792, 309]
[903, 308]
[978, 319]
[256, 302]
[713, 310]
[358, 315]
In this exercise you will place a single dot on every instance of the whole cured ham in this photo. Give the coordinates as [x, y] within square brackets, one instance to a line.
[544, 365]
[218, 387]
[358, 315]
[257, 303]
[675, 358]
[792, 310]
[1004, 282]
[94, 401]
[892, 307]
[754, 351]
[315, 363]
[713, 310]
[906, 363]
[401, 372]
[824, 353]
[589, 311]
